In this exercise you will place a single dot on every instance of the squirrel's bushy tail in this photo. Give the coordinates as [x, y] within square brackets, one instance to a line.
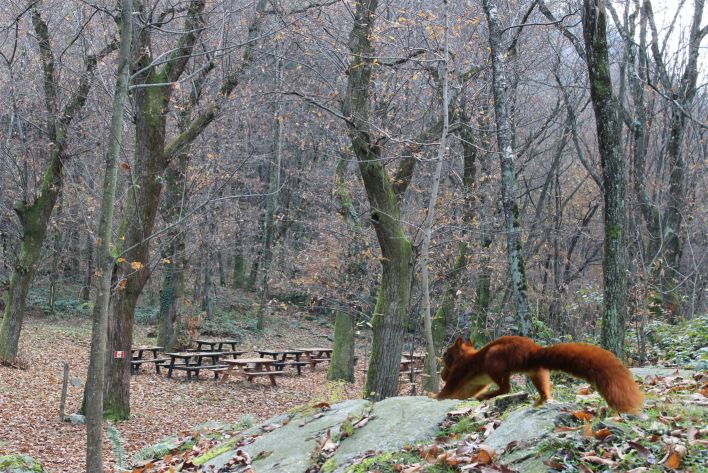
[600, 367]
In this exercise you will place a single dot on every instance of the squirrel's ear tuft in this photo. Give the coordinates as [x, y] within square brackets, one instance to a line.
[458, 342]
[469, 343]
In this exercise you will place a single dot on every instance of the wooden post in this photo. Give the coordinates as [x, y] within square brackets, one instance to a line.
[62, 403]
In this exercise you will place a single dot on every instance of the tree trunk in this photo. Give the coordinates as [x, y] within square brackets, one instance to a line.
[238, 276]
[137, 224]
[105, 260]
[88, 276]
[609, 141]
[272, 184]
[341, 368]
[478, 331]
[55, 266]
[34, 217]
[389, 316]
[207, 302]
[149, 164]
[173, 257]
[432, 383]
[500, 83]
[342, 365]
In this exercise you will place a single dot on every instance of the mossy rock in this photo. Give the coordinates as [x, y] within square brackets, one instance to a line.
[19, 464]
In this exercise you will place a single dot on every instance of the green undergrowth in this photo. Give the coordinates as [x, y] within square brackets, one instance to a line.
[638, 437]
[66, 304]
[684, 345]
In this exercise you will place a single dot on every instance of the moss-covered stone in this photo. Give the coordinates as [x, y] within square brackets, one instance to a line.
[19, 464]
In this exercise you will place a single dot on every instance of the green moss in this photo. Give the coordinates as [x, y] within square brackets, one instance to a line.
[19, 463]
[383, 463]
[347, 428]
[328, 466]
[216, 451]
[613, 232]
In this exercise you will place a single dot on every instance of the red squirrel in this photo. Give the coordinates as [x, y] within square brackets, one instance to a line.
[467, 372]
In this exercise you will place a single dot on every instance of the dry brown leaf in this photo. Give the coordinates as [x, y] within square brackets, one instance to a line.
[599, 460]
[563, 428]
[673, 461]
[582, 415]
[603, 433]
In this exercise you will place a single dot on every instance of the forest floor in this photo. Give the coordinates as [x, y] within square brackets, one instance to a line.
[29, 398]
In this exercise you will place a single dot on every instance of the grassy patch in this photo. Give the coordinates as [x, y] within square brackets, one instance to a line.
[383, 463]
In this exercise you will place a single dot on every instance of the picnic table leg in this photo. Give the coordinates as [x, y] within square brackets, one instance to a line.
[272, 377]
[189, 372]
[225, 375]
[172, 365]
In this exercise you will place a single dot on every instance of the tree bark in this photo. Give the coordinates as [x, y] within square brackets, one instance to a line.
[105, 260]
[272, 186]
[152, 154]
[389, 316]
[239, 265]
[88, 275]
[34, 217]
[353, 279]
[612, 161]
[55, 266]
[432, 383]
[173, 257]
[341, 368]
[500, 83]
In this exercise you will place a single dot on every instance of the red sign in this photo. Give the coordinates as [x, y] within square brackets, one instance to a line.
[118, 354]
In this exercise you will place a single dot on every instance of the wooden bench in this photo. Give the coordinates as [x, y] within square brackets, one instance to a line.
[313, 361]
[249, 375]
[197, 368]
[279, 365]
[159, 362]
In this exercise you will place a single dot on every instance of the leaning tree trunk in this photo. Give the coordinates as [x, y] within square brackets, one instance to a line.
[500, 83]
[34, 217]
[609, 142]
[34, 220]
[105, 260]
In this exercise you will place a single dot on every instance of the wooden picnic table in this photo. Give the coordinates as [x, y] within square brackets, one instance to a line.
[411, 367]
[249, 368]
[284, 358]
[216, 344]
[415, 356]
[316, 355]
[191, 361]
[137, 358]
